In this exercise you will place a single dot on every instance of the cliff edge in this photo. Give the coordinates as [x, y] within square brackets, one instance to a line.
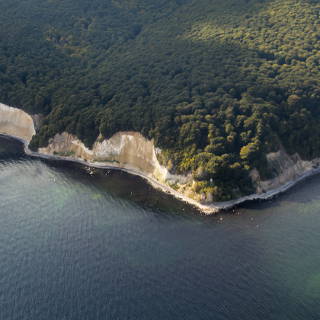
[16, 123]
[131, 152]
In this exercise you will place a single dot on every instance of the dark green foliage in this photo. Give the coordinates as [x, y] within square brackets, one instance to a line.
[216, 84]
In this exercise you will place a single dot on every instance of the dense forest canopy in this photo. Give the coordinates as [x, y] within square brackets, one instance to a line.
[217, 84]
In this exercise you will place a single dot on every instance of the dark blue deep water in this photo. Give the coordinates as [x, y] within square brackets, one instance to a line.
[75, 246]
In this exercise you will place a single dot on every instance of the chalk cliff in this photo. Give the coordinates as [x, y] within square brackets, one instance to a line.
[286, 168]
[16, 122]
[128, 150]
[131, 152]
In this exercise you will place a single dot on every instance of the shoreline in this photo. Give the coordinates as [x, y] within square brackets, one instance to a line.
[206, 209]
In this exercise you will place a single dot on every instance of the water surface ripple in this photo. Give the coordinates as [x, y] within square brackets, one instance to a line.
[77, 246]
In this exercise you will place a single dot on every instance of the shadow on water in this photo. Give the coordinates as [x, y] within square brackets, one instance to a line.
[10, 148]
[98, 235]
[140, 193]
[302, 193]
[122, 185]
[133, 189]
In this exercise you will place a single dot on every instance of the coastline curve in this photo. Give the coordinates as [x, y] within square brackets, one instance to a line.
[117, 153]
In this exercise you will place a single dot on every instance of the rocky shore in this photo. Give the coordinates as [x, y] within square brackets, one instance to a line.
[132, 153]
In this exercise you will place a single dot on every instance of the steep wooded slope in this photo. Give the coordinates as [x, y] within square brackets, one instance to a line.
[217, 84]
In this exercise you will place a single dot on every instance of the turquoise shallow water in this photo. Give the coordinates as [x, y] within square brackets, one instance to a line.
[107, 246]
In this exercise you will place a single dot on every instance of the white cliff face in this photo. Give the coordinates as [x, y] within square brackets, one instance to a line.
[132, 152]
[286, 168]
[129, 150]
[16, 122]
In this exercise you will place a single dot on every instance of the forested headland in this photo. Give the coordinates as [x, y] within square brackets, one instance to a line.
[216, 84]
